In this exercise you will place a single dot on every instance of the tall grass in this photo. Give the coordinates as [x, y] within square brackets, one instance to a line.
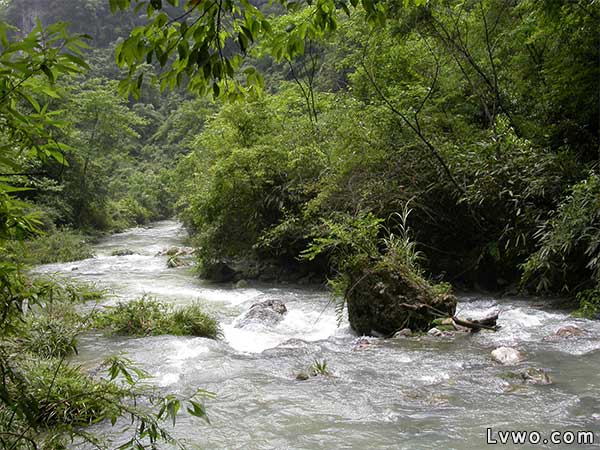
[146, 316]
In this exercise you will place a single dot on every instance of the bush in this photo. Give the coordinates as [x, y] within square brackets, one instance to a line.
[44, 401]
[148, 317]
[589, 304]
[191, 320]
[569, 243]
[59, 246]
[51, 337]
[380, 279]
[69, 396]
[127, 213]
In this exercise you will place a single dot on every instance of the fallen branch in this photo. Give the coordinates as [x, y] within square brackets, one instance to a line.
[488, 323]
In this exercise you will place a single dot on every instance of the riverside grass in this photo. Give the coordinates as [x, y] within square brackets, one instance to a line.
[147, 316]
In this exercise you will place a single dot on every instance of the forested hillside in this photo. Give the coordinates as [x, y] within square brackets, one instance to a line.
[450, 141]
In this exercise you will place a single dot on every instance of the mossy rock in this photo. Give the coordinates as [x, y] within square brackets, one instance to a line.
[388, 297]
[175, 261]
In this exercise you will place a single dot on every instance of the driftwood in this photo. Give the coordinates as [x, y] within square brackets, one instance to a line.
[487, 323]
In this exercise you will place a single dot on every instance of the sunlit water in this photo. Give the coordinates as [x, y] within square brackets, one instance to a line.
[416, 393]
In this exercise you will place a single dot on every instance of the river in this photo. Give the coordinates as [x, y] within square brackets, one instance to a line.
[409, 393]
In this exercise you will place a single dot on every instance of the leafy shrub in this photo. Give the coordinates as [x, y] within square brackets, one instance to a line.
[148, 317]
[51, 337]
[70, 396]
[192, 320]
[589, 304]
[59, 246]
[140, 317]
[127, 213]
[569, 252]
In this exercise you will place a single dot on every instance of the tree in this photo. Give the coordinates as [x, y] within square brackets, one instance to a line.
[28, 69]
[204, 46]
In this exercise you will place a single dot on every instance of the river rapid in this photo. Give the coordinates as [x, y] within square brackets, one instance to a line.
[408, 393]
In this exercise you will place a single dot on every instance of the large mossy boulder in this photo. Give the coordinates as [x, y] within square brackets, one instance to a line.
[387, 297]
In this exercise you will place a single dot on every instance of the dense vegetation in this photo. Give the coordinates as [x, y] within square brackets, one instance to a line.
[450, 140]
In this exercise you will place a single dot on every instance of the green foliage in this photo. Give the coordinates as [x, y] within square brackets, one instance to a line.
[51, 337]
[569, 252]
[148, 317]
[589, 304]
[29, 67]
[58, 246]
[46, 402]
[320, 368]
[205, 44]
[247, 177]
[191, 320]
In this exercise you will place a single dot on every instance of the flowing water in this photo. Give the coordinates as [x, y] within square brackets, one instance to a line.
[409, 393]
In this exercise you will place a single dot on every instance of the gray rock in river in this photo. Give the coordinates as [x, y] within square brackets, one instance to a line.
[507, 355]
[122, 252]
[269, 312]
[404, 332]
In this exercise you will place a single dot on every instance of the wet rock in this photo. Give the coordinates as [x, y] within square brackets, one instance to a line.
[219, 272]
[530, 375]
[387, 296]
[535, 376]
[269, 312]
[441, 331]
[362, 343]
[405, 332]
[507, 355]
[435, 332]
[122, 252]
[176, 251]
[175, 261]
[569, 331]
[170, 252]
[241, 284]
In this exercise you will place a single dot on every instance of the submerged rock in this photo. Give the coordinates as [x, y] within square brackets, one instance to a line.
[566, 332]
[535, 376]
[269, 312]
[530, 375]
[569, 331]
[388, 296]
[176, 251]
[507, 355]
[363, 343]
[122, 252]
